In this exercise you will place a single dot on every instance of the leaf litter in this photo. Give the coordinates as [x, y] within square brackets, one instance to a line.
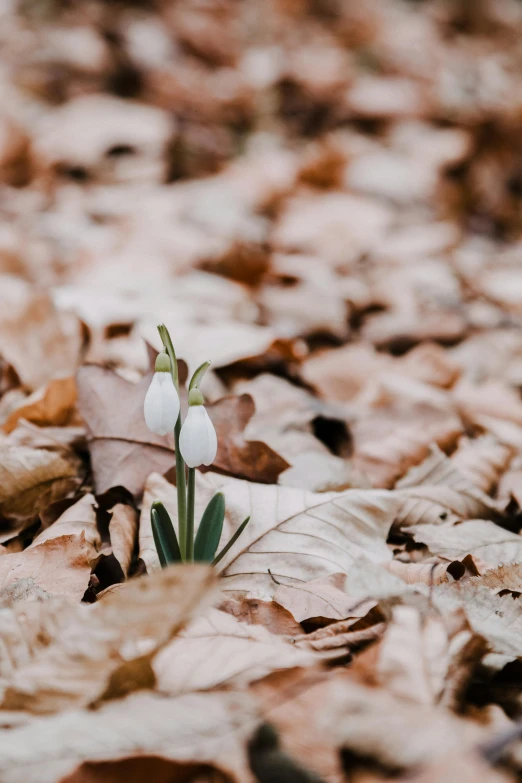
[324, 199]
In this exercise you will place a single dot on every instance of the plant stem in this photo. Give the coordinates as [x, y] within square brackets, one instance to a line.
[190, 514]
[181, 487]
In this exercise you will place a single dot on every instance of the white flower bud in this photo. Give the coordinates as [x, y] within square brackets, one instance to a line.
[198, 440]
[161, 406]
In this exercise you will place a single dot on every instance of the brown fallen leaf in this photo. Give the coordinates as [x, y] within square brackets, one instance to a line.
[37, 340]
[76, 655]
[416, 655]
[216, 650]
[497, 618]
[59, 567]
[54, 404]
[340, 637]
[437, 492]
[269, 614]
[197, 727]
[249, 459]
[322, 598]
[387, 444]
[504, 577]
[486, 542]
[31, 479]
[78, 520]
[123, 451]
[482, 460]
[419, 573]
[123, 528]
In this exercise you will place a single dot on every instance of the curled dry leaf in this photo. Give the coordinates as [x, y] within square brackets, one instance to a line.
[416, 654]
[271, 615]
[196, 727]
[249, 459]
[52, 405]
[31, 479]
[58, 567]
[482, 461]
[75, 655]
[78, 520]
[216, 650]
[122, 530]
[123, 451]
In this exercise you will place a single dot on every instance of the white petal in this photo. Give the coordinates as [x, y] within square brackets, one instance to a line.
[211, 451]
[152, 406]
[169, 402]
[193, 440]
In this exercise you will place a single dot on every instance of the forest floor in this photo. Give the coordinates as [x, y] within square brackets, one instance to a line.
[323, 198]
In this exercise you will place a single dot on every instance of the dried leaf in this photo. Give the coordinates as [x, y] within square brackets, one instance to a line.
[484, 540]
[249, 459]
[35, 339]
[498, 619]
[217, 650]
[123, 451]
[54, 404]
[31, 479]
[78, 520]
[322, 598]
[77, 654]
[58, 567]
[196, 727]
[123, 528]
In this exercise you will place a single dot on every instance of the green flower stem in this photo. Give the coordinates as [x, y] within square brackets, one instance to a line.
[181, 486]
[190, 514]
[181, 489]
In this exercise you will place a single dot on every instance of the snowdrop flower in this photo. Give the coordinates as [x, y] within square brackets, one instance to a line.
[161, 406]
[198, 441]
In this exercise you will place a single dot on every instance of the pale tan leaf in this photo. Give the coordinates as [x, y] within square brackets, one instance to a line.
[480, 538]
[497, 618]
[413, 657]
[505, 577]
[122, 530]
[74, 655]
[435, 491]
[323, 597]
[216, 649]
[59, 567]
[423, 573]
[196, 727]
[79, 518]
[482, 461]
